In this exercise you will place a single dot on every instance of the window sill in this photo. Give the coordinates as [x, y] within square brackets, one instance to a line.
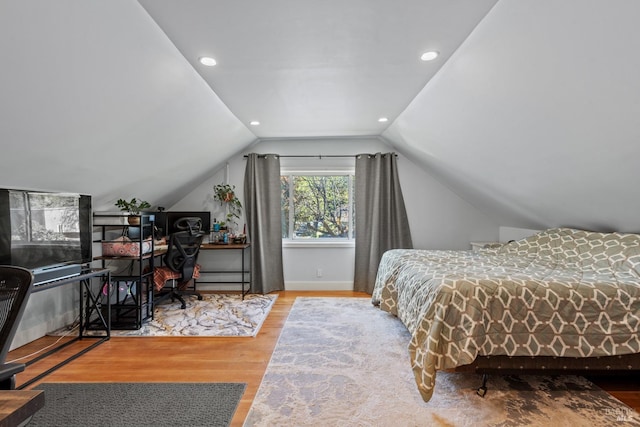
[287, 243]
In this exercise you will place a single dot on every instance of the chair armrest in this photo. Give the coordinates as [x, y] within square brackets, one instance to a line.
[9, 369]
[8, 373]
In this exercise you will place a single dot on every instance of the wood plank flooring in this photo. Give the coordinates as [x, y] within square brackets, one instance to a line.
[205, 359]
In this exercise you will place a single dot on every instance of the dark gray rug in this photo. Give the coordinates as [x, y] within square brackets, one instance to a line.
[138, 404]
[343, 362]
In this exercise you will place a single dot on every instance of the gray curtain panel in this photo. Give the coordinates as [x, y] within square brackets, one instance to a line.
[264, 228]
[381, 219]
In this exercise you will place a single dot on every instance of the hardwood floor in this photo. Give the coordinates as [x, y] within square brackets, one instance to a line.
[204, 359]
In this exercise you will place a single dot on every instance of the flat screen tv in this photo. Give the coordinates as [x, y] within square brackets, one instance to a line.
[47, 232]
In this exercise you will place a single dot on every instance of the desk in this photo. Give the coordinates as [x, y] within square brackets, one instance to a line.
[17, 406]
[243, 249]
[91, 314]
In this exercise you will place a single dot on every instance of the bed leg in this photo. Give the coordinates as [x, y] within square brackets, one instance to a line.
[482, 390]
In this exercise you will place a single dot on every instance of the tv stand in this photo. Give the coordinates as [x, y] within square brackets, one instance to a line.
[91, 315]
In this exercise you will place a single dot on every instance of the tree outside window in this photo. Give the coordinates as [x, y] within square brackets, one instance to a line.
[317, 206]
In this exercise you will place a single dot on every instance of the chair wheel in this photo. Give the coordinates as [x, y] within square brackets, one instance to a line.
[199, 297]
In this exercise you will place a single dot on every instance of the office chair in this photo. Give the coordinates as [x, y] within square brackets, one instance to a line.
[182, 254]
[15, 288]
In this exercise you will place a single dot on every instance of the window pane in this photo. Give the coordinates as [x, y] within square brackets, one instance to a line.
[353, 207]
[284, 187]
[321, 207]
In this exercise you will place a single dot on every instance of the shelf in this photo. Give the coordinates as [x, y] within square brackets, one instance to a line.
[155, 253]
[132, 306]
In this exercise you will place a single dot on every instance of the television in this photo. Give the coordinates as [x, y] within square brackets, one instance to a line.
[165, 221]
[49, 233]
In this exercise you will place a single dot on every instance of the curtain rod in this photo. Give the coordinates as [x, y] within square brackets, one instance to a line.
[319, 156]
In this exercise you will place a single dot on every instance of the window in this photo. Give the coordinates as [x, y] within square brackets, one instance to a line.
[317, 206]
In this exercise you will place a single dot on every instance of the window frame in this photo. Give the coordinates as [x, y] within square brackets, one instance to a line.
[336, 242]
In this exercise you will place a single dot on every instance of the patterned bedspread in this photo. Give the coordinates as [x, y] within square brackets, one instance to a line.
[562, 292]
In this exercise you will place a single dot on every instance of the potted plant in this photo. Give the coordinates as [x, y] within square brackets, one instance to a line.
[134, 207]
[225, 194]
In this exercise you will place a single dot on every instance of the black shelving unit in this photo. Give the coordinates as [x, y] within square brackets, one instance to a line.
[130, 291]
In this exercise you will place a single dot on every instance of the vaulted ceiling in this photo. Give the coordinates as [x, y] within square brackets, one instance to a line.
[529, 112]
[317, 68]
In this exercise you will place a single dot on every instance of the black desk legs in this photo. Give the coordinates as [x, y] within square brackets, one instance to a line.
[93, 307]
[248, 272]
[243, 277]
[90, 305]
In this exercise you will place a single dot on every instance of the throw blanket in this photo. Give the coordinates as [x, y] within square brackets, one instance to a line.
[162, 274]
[562, 292]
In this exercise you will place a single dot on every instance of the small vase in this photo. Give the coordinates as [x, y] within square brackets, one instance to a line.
[133, 233]
[133, 220]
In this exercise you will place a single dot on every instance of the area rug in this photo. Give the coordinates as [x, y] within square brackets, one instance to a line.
[138, 404]
[217, 315]
[343, 362]
[220, 315]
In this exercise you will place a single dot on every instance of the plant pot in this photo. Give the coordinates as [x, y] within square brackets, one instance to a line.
[133, 220]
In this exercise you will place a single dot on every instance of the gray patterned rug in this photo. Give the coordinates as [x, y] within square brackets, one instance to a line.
[221, 315]
[138, 404]
[343, 362]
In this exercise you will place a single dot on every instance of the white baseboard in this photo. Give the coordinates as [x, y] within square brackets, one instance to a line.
[289, 286]
[318, 286]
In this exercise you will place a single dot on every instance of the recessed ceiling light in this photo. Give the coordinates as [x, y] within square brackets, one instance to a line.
[383, 119]
[429, 56]
[208, 61]
[255, 123]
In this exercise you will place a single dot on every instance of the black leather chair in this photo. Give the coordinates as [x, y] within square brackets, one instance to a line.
[182, 255]
[15, 287]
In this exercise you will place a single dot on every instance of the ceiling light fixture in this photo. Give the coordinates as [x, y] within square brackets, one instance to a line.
[255, 123]
[208, 61]
[383, 119]
[429, 56]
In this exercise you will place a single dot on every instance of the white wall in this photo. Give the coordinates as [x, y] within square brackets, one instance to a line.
[438, 218]
[114, 110]
[47, 311]
[534, 118]
[511, 233]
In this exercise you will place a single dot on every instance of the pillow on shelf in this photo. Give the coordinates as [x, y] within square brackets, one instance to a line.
[125, 247]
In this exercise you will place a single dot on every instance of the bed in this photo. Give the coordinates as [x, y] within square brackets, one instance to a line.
[560, 295]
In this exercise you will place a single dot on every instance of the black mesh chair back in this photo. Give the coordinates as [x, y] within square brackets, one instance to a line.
[182, 253]
[188, 223]
[15, 287]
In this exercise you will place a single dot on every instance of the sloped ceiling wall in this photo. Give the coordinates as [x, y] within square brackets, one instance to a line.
[94, 98]
[534, 118]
